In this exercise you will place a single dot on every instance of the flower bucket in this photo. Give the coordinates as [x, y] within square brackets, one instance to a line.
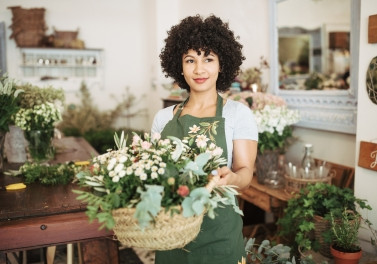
[40, 144]
[168, 231]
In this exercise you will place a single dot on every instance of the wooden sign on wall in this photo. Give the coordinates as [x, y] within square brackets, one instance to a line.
[368, 155]
[372, 29]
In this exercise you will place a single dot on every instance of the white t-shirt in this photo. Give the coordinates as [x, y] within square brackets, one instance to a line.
[239, 123]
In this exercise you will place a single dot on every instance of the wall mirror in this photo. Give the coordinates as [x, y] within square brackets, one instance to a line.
[314, 60]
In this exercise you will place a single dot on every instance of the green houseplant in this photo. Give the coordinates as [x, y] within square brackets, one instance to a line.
[344, 233]
[306, 218]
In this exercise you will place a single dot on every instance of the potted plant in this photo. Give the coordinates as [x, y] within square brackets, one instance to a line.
[345, 246]
[306, 220]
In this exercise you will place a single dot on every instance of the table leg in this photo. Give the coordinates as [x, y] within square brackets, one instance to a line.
[101, 251]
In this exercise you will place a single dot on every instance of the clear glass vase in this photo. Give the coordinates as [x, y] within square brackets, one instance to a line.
[266, 162]
[40, 144]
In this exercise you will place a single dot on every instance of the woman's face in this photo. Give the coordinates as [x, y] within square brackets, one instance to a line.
[200, 71]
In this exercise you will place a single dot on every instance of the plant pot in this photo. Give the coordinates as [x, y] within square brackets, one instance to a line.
[345, 257]
[40, 144]
[266, 162]
[322, 225]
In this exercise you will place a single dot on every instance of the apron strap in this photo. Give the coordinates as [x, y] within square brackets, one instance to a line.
[219, 107]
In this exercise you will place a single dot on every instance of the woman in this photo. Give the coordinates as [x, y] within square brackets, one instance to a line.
[203, 57]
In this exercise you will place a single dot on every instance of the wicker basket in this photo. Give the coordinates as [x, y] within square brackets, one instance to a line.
[294, 185]
[322, 225]
[28, 26]
[168, 232]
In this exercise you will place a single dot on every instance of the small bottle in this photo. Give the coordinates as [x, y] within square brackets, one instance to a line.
[308, 162]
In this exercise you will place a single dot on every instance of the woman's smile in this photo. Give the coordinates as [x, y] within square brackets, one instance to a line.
[200, 80]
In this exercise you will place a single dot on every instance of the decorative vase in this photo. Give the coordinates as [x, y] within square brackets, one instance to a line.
[40, 144]
[266, 162]
[2, 140]
[345, 257]
[15, 145]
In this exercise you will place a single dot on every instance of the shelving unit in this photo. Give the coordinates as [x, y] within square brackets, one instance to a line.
[66, 68]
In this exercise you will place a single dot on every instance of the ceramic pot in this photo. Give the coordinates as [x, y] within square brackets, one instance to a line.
[266, 162]
[345, 257]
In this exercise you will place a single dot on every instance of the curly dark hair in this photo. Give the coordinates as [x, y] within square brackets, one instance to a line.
[209, 34]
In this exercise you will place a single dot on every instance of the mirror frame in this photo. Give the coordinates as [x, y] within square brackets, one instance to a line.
[323, 110]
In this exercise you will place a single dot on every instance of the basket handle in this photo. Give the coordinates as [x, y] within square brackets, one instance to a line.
[214, 179]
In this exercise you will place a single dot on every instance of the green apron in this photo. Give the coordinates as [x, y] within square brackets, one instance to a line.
[220, 240]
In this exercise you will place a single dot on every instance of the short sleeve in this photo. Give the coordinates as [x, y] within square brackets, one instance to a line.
[161, 118]
[245, 124]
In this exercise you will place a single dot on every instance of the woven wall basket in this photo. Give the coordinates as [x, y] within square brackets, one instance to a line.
[168, 232]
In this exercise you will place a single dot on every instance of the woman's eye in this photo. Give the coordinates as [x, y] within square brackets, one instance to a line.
[208, 60]
[190, 61]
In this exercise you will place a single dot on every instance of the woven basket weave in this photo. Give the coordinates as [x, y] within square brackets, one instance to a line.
[296, 184]
[322, 225]
[168, 232]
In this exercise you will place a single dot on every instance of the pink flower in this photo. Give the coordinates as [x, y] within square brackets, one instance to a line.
[135, 140]
[146, 145]
[183, 190]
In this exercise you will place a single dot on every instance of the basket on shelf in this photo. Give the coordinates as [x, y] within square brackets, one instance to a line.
[167, 232]
[28, 26]
[296, 184]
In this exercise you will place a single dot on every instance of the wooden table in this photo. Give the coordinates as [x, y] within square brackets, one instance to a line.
[41, 216]
[266, 198]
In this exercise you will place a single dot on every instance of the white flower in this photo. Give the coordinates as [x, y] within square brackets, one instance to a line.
[122, 173]
[154, 175]
[201, 141]
[119, 167]
[194, 129]
[116, 179]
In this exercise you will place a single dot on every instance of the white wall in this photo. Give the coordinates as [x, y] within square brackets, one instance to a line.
[131, 33]
[366, 180]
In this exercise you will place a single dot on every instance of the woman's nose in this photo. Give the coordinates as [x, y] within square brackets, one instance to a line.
[199, 68]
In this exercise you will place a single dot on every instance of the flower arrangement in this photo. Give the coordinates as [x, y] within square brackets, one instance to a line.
[152, 174]
[273, 118]
[38, 124]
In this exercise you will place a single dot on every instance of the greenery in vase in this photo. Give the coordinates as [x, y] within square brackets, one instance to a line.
[319, 199]
[273, 118]
[153, 173]
[38, 124]
[9, 98]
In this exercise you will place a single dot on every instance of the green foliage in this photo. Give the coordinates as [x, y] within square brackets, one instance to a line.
[319, 199]
[34, 95]
[271, 141]
[345, 230]
[48, 174]
[268, 253]
[9, 98]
